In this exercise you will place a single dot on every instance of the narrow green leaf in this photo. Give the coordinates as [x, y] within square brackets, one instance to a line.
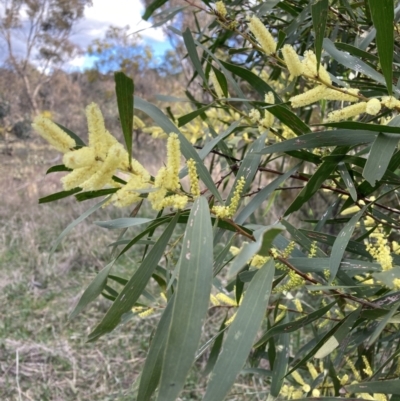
[59, 195]
[379, 157]
[352, 62]
[341, 137]
[75, 223]
[344, 173]
[356, 51]
[93, 291]
[341, 242]
[319, 13]
[82, 196]
[313, 185]
[221, 80]
[241, 334]
[153, 7]
[216, 349]
[287, 117]
[135, 286]
[56, 169]
[152, 367]
[382, 13]
[124, 88]
[187, 149]
[382, 324]
[384, 387]
[78, 140]
[280, 363]
[333, 342]
[123, 222]
[293, 325]
[355, 125]
[192, 52]
[192, 115]
[191, 301]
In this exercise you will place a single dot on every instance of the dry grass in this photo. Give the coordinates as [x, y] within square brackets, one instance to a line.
[43, 356]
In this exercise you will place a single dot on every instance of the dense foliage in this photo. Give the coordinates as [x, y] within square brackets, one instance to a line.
[281, 92]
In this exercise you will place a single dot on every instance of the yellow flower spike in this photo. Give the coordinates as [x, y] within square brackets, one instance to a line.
[106, 171]
[214, 300]
[163, 297]
[310, 68]
[268, 120]
[217, 86]
[350, 364]
[78, 176]
[225, 300]
[380, 397]
[231, 319]
[344, 380]
[373, 107]
[347, 112]
[53, 134]
[138, 123]
[236, 196]
[99, 138]
[262, 35]
[298, 305]
[350, 96]
[220, 8]
[194, 179]
[296, 376]
[173, 162]
[367, 370]
[396, 283]
[127, 194]
[82, 157]
[309, 97]
[147, 313]
[254, 116]
[390, 102]
[234, 250]
[292, 61]
[175, 201]
[313, 250]
[258, 261]
[313, 371]
[316, 392]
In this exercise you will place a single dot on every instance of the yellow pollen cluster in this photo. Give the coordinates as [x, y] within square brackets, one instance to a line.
[226, 212]
[220, 8]
[349, 96]
[292, 61]
[258, 261]
[53, 134]
[310, 68]
[309, 97]
[194, 179]
[380, 251]
[268, 119]
[262, 35]
[254, 116]
[373, 107]
[313, 250]
[390, 102]
[347, 112]
[367, 370]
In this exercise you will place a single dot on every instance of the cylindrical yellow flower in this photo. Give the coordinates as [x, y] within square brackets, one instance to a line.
[175, 201]
[78, 176]
[225, 300]
[99, 138]
[220, 8]
[217, 86]
[292, 61]
[53, 134]
[82, 157]
[173, 162]
[350, 96]
[254, 116]
[310, 68]
[194, 179]
[262, 35]
[127, 194]
[236, 196]
[309, 97]
[107, 169]
[157, 197]
[373, 107]
[390, 102]
[347, 112]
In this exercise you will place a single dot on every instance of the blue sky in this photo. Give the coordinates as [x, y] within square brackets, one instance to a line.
[120, 13]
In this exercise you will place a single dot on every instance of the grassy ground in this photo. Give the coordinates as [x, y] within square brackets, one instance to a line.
[43, 356]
